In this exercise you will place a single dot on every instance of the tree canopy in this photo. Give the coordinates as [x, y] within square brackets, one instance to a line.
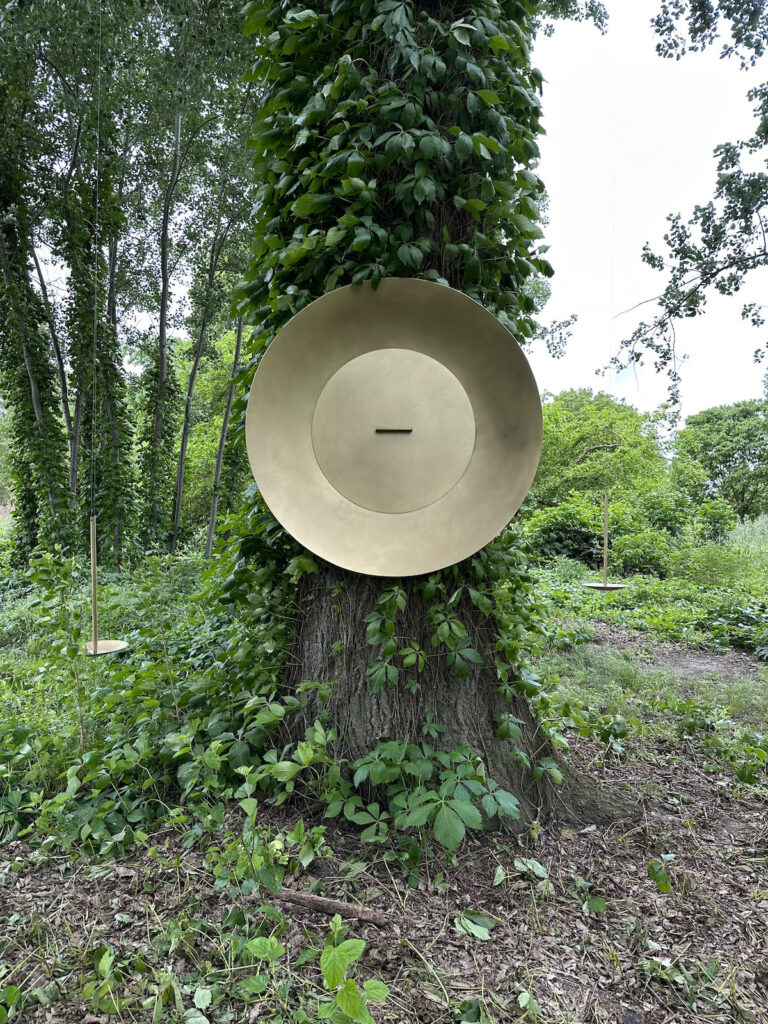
[593, 443]
[731, 443]
[723, 241]
[123, 174]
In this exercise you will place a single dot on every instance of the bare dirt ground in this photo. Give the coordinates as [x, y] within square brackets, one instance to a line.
[695, 954]
[680, 660]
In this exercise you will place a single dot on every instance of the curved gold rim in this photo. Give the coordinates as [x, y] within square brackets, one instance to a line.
[105, 647]
[401, 314]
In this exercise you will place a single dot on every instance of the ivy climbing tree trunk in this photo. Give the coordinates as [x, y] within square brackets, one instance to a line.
[222, 443]
[399, 139]
[28, 380]
[152, 484]
[333, 647]
[62, 374]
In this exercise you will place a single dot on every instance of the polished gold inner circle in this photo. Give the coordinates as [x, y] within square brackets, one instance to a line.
[393, 430]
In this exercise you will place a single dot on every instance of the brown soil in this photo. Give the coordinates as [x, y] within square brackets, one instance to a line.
[680, 660]
[643, 961]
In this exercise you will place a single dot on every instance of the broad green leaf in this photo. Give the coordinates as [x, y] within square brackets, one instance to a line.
[349, 999]
[311, 202]
[334, 235]
[285, 770]
[595, 905]
[475, 924]
[508, 804]
[254, 985]
[202, 998]
[375, 990]
[529, 866]
[265, 948]
[468, 813]
[448, 828]
[334, 960]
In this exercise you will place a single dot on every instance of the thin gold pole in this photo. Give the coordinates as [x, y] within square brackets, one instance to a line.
[605, 543]
[94, 622]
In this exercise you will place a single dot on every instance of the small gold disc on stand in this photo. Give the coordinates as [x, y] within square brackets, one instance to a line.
[604, 584]
[96, 647]
[105, 647]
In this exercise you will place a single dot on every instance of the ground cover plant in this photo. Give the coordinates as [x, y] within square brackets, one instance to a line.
[164, 856]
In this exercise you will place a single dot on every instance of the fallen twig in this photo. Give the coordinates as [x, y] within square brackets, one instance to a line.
[328, 906]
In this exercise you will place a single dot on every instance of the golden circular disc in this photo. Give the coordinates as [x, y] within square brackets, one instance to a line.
[606, 586]
[394, 432]
[105, 647]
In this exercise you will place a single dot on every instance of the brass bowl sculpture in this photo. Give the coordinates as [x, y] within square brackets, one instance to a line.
[394, 431]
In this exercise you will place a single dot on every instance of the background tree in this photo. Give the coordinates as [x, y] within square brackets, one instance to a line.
[118, 124]
[724, 240]
[398, 138]
[593, 443]
[730, 442]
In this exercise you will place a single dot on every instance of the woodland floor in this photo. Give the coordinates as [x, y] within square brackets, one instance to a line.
[698, 953]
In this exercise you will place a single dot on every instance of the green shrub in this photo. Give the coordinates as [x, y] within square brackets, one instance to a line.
[713, 520]
[664, 510]
[571, 530]
[751, 532]
[647, 551]
[716, 565]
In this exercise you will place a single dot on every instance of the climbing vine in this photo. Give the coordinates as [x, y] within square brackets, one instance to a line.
[399, 138]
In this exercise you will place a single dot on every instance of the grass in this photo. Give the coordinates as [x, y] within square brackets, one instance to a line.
[617, 683]
[751, 532]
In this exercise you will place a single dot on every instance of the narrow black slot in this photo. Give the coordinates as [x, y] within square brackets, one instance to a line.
[394, 430]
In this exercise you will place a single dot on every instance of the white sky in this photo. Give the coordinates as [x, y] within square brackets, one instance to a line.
[629, 140]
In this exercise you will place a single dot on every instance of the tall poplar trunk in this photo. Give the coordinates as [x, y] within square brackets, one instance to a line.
[223, 443]
[153, 482]
[219, 238]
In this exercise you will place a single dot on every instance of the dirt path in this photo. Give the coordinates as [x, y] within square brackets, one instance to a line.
[680, 660]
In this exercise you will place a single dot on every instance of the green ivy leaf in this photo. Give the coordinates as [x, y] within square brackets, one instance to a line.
[468, 813]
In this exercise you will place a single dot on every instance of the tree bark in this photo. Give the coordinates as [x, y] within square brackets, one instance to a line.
[162, 341]
[331, 646]
[62, 372]
[219, 238]
[222, 444]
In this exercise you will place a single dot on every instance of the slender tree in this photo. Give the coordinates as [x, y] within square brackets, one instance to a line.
[223, 442]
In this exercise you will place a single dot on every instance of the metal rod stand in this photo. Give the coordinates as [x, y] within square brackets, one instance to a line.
[94, 615]
[605, 541]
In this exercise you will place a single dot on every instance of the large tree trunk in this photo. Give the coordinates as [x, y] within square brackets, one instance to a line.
[331, 645]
